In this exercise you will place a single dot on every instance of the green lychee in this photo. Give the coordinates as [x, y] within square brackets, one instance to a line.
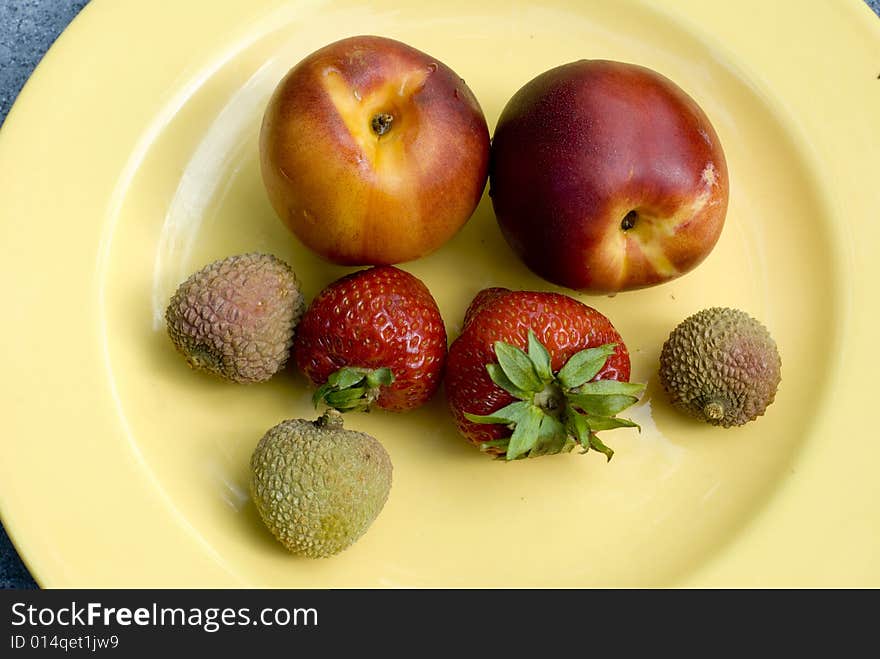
[318, 486]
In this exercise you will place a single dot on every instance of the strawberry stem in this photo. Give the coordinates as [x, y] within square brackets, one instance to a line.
[556, 411]
[352, 388]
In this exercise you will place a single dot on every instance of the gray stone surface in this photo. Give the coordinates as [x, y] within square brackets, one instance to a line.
[27, 29]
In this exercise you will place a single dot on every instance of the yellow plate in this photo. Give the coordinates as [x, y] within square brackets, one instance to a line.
[130, 160]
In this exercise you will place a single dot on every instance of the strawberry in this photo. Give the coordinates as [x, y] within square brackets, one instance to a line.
[482, 298]
[537, 373]
[373, 337]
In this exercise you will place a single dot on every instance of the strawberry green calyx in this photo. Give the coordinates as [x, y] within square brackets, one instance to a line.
[556, 411]
[353, 388]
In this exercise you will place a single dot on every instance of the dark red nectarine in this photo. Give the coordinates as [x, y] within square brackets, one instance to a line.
[606, 177]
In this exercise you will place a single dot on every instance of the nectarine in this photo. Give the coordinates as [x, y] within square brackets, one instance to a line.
[607, 176]
[373, 152]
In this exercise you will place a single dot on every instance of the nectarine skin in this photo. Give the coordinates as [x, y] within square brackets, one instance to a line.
[373, 152]
[606, 176]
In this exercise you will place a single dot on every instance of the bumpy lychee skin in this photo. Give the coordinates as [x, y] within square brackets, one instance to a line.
[236, 317]
[317, 486]
[721, 366]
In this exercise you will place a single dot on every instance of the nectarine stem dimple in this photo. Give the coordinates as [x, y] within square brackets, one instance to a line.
[381, 123]
[629, 221]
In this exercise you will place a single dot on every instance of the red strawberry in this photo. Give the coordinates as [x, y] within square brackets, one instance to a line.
[482, 298]
[544, 364]
[374, 336]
